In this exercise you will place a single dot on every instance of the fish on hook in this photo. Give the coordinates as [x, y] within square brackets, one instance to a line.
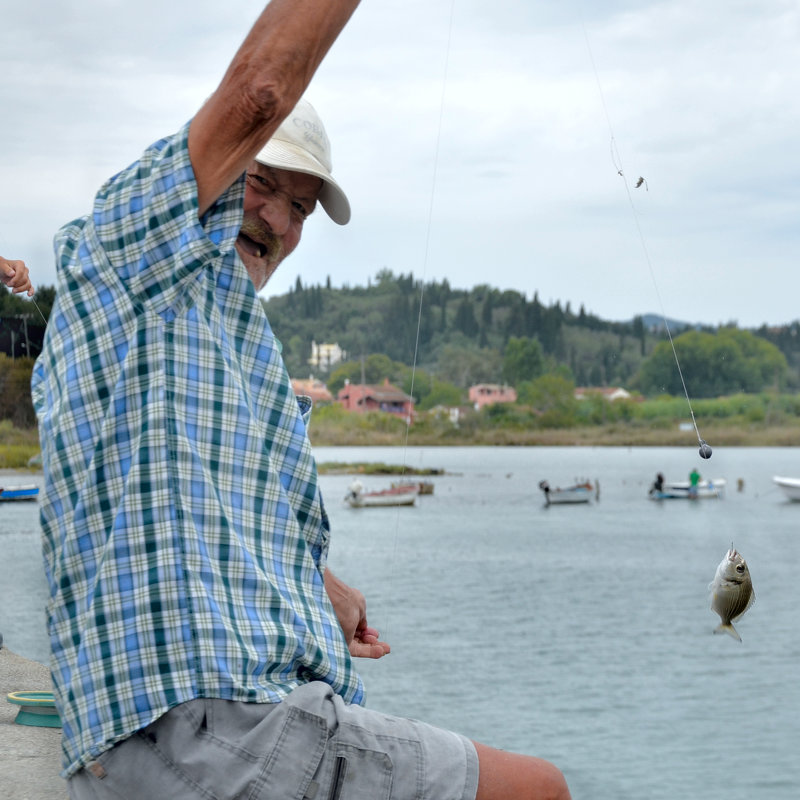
[731, 592]
[640, 182]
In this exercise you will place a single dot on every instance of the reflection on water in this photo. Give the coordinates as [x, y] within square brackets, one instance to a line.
[582, 634]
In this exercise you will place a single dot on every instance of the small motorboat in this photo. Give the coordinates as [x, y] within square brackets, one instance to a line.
[405, 495]
[15, 494]
[580, 492]
[790, 487]
[683, 490]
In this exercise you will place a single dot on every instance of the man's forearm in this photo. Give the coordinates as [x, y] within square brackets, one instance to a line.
[265, 80]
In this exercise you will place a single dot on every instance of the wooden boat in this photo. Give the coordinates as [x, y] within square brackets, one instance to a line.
[423, 487]
[682, 490]
[577, 493]
[790, 487]
[396, 496]
[15, 494]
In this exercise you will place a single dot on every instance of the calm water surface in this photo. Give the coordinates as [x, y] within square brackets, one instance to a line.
[581, 634]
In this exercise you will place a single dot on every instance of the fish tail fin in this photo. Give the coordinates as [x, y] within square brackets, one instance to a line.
[729, 629]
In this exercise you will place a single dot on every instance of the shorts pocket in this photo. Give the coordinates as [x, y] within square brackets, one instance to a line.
[360, 774]
[294, 758]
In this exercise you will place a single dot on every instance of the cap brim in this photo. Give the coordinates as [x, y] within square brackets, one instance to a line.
[285, 155]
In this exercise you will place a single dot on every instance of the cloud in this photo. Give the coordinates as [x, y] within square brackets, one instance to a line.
[478, 143]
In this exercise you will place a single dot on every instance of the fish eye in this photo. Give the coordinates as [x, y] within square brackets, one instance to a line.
[740, 567]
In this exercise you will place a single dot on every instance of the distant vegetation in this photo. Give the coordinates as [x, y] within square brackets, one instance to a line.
[743, 381]
[487, 335]
[17, 445]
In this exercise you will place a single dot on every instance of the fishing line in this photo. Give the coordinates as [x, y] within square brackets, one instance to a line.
[705, 449]
[425, 258]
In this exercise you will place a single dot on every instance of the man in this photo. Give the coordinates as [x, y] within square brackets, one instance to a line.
[694, 482]
[200, 646]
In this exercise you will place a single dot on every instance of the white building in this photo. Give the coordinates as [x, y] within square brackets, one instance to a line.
[325, 356]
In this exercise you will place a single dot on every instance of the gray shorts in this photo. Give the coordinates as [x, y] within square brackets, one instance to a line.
[309, 747]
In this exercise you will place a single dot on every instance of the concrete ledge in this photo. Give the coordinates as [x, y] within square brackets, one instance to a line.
[30, 757]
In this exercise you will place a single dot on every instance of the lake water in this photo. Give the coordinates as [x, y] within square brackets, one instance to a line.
[580, 634]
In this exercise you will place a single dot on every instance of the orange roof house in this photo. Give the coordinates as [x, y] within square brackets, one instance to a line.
[383, 397]
[313, 388]
[485, 394]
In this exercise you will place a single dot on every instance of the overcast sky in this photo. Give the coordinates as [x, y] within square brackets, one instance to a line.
[477, 141]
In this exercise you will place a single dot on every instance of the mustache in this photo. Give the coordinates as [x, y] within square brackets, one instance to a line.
[260, 233]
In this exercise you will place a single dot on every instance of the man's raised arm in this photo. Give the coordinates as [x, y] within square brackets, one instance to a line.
[265, 80]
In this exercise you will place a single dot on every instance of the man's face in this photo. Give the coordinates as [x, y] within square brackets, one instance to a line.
[276, 204]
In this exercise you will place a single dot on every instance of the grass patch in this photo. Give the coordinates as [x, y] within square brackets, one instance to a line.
[17, 445]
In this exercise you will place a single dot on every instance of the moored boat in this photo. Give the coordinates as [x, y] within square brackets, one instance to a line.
[423, 487]
[577, 493]
[683, 490]
[396, 496]
[790, 487]
[13, 494]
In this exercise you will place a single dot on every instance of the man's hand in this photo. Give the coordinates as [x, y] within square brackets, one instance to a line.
[351, 610]
[14, 274]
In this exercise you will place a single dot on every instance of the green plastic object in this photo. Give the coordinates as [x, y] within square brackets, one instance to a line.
[36, 708]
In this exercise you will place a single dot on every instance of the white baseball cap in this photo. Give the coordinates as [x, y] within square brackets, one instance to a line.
[301, 145]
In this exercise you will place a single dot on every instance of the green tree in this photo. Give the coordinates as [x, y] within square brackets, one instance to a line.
[442, 393]
[522, 360]
[726, 362]
[15, 391]
[463, 366]
[376, 368]
[465, 318]
[553, 396]
[638, 332]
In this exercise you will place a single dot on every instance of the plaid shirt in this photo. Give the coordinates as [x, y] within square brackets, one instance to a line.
[184, 531]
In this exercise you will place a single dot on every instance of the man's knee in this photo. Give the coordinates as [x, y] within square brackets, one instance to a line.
[510, 775]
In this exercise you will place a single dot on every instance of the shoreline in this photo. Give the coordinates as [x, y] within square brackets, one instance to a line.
[614, 435]
[324, 434]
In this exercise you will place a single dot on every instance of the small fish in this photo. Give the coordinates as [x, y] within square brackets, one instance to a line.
[731, 592]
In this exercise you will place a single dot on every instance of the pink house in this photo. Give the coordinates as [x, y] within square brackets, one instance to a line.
[384, 397]
[485, 394]
[313, 388]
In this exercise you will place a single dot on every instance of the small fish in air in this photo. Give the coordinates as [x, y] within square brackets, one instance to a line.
[640, 182]
[731, 592]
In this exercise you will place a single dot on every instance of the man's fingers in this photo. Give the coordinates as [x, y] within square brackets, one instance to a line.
[369, 650]
[14, 274]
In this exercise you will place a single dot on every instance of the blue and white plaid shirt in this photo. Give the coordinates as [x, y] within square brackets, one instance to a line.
[184, 531]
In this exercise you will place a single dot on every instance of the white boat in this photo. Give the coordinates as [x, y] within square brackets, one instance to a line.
[396, 496]
[790, 486]
[16, 494]
[577, 493]
[682, 490]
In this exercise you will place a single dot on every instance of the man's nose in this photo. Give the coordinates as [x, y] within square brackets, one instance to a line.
[276, 211]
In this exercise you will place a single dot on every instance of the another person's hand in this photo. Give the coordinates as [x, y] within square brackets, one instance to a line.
[14, 274]
[351, 611]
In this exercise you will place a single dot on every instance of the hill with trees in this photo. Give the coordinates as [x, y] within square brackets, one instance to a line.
[461, 337]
